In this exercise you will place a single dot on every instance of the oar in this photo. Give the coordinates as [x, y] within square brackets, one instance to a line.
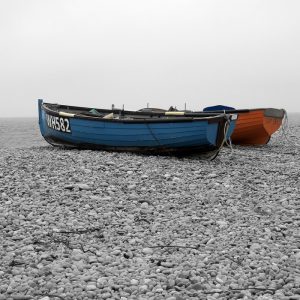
[192, 114]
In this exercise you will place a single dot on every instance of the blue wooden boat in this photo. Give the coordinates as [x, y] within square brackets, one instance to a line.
[120, 130]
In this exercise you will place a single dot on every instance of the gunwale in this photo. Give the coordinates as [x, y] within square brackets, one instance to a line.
[139, 117]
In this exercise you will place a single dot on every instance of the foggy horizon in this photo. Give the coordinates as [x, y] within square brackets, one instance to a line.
[243, 54]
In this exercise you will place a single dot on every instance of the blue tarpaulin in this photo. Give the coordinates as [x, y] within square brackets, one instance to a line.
[218, 107]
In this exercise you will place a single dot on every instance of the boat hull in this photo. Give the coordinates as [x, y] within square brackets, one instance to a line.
[256, 127]
[183, 135]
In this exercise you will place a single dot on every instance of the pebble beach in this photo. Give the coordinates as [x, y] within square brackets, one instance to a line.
[103, 225]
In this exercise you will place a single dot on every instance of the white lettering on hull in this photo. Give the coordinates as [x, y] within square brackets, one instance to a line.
[58, 123]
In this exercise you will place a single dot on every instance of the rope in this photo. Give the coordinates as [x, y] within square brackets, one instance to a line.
[228, 141]
[229, 144]
[226, 128]
[153, 135]
[285, 129]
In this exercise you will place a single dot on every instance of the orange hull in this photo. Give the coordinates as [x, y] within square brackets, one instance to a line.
[256, 126]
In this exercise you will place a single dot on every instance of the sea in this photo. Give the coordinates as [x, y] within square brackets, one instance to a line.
[24, 132]
[20, 133]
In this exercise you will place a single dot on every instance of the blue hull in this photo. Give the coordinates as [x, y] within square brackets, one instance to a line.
[197, 135]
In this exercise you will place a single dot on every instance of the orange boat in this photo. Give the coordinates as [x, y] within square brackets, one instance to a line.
[254, 126]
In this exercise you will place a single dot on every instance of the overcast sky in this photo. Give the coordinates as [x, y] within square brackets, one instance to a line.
[242, 53]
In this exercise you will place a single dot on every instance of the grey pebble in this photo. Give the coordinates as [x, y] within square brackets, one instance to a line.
[83, 186]
[234, 222]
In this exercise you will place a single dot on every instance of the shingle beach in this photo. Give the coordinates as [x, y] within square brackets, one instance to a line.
[102, 225]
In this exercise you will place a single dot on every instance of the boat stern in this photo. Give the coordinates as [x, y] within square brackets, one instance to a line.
[217, 130]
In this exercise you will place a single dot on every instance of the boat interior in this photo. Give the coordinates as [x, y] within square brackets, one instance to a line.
[116, 113]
